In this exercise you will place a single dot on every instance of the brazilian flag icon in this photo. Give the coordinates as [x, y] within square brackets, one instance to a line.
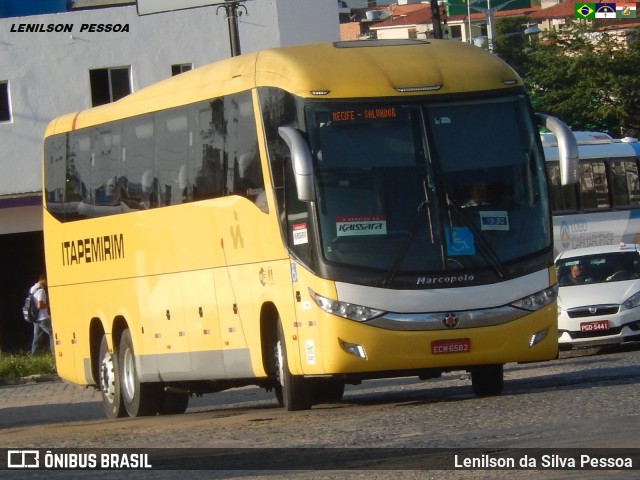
[585, 10]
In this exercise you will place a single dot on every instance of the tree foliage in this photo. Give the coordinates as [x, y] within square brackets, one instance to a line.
[590, 80]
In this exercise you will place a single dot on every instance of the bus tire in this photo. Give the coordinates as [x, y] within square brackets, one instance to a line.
[487, 380]
[293, 392]
[173, 403]
[109, 382]
[140, 398]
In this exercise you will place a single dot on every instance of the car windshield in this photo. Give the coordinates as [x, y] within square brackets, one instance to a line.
[598, 268]
[412, 186]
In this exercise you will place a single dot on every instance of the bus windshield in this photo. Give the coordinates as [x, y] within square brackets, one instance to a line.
[417, 186]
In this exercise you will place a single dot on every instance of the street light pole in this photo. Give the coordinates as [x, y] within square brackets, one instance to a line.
[232, 9]
[435, 19]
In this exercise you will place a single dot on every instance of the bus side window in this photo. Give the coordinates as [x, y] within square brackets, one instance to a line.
[594, 187]
[626, 188]
[244, 170]
[79, 168]
[563, 197]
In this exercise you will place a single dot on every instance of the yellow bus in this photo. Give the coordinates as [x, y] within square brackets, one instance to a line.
[296, 219]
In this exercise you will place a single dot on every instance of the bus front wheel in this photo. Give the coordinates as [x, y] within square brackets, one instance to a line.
[292, 391]
[109, 382]
[140, 399]
[487, 380]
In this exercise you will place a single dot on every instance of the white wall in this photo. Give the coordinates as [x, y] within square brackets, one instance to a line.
[48, 73]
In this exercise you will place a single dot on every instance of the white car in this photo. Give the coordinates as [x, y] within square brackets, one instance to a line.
[599, 295]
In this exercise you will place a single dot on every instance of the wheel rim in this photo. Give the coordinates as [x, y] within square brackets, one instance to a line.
[128, 375]
[107, 378]
[279, 363]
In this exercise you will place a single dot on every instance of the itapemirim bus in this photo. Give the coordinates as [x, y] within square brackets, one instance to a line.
[603, 208]
[295, 219]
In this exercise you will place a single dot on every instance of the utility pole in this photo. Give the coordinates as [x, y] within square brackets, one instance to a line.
[435, 19]
[233, 9]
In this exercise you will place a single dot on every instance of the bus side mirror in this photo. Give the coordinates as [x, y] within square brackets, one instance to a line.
[567, 147]
[302, 163]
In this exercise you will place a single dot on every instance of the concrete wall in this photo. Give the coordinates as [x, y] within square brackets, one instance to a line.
[48, 73]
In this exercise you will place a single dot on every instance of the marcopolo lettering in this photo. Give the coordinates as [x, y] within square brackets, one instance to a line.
[93, 249]
[445, 279]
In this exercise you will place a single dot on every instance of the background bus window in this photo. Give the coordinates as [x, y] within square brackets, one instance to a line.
[563, 197]
[626, 188]
[594, 188]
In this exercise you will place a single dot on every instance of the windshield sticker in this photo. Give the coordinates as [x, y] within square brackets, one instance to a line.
[494, 221]
[300, 235]
[459, 241]
[361, 225]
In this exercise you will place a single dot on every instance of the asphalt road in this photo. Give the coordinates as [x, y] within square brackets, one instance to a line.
[582, 401]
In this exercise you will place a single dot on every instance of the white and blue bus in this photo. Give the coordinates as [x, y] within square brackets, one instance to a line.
[603, 208]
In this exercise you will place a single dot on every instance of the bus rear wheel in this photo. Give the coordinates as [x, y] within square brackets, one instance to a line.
[292, 391]
[487, 380]
[109, 382]
[140, 399]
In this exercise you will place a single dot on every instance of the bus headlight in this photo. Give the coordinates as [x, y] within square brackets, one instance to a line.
[537, 300]
[351, 311]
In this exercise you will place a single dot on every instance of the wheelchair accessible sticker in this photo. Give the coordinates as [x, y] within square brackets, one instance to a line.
[459, 241]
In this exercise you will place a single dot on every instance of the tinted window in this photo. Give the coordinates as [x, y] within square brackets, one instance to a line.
[201, 151]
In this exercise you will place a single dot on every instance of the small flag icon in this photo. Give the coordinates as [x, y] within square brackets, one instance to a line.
[585, 10]
[625, 10]
[605, 10]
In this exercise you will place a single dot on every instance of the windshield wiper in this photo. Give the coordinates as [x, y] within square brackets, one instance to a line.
[483, 246]
[413, 229]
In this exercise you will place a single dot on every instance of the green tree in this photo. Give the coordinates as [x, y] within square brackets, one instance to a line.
[588, 79]
[510, 43]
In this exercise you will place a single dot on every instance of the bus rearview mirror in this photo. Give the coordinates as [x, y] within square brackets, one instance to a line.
[301, 162]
